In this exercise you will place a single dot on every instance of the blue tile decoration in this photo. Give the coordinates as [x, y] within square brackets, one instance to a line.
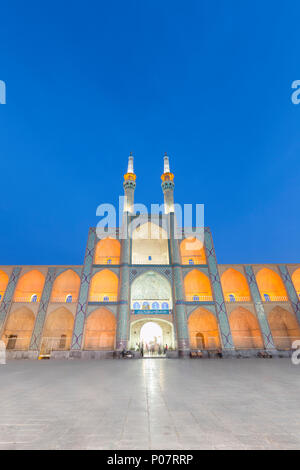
[77, 337]
[290, 290]
[223, 321]
[7, 298]
[259, 308]
[36, 337]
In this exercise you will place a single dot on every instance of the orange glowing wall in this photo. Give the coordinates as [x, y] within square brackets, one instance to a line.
[203, 329]
[270, 283]
[191, 249]
[104, 284]
[197, 284]
[67, 283]
[234, 283]
[3, 283]
[100, 330]
[29, 284]
[296, 281]
[107, 251]
[19, 323]
[245, 329]
[284, 327]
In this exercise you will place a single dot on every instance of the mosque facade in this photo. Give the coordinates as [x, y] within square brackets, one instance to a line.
[151, 292]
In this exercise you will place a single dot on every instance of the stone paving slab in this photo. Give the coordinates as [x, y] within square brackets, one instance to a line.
[150, 404]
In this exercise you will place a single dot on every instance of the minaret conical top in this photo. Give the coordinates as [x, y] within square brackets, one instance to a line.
[130, 164]
[166, 163]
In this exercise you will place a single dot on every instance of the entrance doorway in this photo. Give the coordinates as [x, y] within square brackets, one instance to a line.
[151, 338]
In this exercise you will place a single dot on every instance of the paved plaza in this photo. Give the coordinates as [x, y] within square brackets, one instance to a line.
[150, 404]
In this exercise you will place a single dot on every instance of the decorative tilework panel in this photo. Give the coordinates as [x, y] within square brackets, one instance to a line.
[290, 290]
[84, 290]
[217, 290]
[6, 302]
[259, 308]
[36, 337]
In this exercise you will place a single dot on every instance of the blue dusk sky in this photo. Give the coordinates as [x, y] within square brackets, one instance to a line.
[208, 82]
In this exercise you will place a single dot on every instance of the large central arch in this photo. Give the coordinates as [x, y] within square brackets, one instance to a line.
[166, 327]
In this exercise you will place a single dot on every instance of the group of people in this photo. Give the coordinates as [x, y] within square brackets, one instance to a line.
[152, 349]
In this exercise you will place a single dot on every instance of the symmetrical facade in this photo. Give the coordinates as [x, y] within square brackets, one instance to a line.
[146, 289]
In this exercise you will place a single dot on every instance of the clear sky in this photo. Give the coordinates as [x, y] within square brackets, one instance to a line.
[207, 81]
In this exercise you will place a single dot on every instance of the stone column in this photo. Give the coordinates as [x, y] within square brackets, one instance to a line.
[78, 331]
[178, 289]
[260, 311]
[224, 327]
[290, 290]
[7, 298]
[36, 338]
[122, 334]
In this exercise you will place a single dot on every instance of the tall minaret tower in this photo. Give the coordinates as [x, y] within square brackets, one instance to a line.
[129, 186]
[168, 186]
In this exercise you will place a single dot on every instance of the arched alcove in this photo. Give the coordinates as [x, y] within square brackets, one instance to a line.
[58, 330]
[197, 286]
[30, 287]
[284, 327]
[151, 288]
[235, 286]
[245, 329]
[203, 330]
[66, 287]
[270, 285]
[100, 330]
[107, 251]
[18, 329]
[296, 281]
[3, 283]
[150, 245]
[104, 287]
[192, 251]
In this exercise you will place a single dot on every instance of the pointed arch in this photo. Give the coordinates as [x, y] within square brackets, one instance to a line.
[66, 284]
[203, 330]
[58, 330]
[270, 285]
[104, 287]
[151, 288]
[31, 284]
[284, 327]
[245, 329]
[197, 286]
[107, 251]
[18, 329]
[296, 281]
[100, 330]
[3, 283]
[192, 251]
[235, 286]
[150, 245]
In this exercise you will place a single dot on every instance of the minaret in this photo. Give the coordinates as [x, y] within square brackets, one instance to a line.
[129, 186]
[168, 186]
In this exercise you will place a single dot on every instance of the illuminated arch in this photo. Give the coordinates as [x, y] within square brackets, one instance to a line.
[235, 286]
[58, 330]
[150, 245]
[104, 284]
[3, 283]
[296, 281]
[151, 287]
[67, 283]
[245, 329]
[18, 329]
[100, 330]
[197, 286]
[203, 330]
[107, 251]
[270, 285]
[284, 327]
[192, 251]
[30, 284]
